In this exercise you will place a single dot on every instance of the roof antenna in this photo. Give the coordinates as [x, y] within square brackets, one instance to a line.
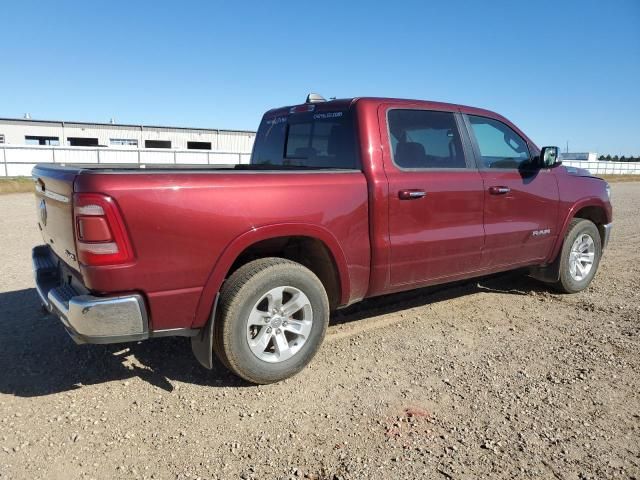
[315, 98]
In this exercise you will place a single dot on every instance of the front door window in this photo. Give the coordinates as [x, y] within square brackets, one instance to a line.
[499, 145]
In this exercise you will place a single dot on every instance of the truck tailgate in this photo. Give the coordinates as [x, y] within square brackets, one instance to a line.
[54, 204]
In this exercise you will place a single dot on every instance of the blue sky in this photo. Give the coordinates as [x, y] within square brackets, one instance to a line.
[561, 70]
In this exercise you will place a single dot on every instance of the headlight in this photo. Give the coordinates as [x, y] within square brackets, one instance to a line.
[608, 189]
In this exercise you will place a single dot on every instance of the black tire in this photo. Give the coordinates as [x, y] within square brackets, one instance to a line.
[567, 283]
[240, 293]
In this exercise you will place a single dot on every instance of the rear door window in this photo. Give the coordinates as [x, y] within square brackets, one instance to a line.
[307, 140]
[425, 139]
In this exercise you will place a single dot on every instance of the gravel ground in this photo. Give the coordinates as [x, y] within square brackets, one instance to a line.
[492, 378]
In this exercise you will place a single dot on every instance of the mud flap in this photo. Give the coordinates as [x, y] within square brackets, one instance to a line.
[202, 344]
[548, 273]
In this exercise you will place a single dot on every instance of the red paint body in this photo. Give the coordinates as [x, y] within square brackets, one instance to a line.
[188, 227]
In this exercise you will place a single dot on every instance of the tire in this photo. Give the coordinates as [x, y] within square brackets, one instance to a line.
[574, 279]
[246, 302]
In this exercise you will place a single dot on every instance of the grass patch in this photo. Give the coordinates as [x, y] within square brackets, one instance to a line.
[620, 178]
[16, 185]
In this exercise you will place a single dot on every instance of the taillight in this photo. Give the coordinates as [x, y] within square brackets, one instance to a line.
[101, 236]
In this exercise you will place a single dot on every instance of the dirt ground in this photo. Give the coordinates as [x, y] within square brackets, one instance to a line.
[492, 378]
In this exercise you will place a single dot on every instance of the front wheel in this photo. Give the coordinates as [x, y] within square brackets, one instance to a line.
[580, 256]
[273, 317]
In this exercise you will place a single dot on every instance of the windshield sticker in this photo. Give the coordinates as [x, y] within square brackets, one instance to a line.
[323, 116]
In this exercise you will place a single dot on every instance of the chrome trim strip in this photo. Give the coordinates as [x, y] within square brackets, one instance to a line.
[50, 194]
[55, 196]
[417, 194]
[175, 332]
[607, 234]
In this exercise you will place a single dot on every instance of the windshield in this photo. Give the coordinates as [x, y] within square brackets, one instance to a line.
[307, 140]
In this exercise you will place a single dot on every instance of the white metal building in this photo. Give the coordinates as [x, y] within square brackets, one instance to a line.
[25, 142]
[82, 134]
[579, 156]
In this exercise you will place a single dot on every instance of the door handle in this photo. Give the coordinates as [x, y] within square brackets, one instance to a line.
[411, 194]
[499, 190]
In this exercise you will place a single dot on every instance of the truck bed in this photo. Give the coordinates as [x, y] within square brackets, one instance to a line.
[182, 220]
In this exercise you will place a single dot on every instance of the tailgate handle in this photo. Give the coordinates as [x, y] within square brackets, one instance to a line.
[411, 194]
[499, 190]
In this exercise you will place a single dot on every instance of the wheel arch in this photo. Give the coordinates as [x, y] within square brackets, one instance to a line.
[593, 209]
[311, 245]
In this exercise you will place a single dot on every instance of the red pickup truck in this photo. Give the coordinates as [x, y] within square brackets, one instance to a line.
[342, 200]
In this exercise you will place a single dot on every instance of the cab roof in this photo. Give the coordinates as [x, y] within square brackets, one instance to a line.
[345, 103]
[370, 103]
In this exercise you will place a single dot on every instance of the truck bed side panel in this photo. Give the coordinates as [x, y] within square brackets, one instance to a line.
[180, 223]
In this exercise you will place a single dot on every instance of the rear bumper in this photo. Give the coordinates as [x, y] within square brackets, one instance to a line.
[88, 318]
[606, 234]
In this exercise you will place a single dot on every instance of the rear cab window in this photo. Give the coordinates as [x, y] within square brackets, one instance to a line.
[310, 139]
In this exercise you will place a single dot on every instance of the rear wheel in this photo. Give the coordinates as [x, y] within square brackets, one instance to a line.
[580, 256]
[273, 317]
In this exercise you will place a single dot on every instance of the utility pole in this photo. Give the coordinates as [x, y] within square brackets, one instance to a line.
[567, 151]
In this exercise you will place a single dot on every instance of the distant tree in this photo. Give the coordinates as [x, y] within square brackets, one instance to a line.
[615, 158]
[608, 158]
[601, 157]
[623, 159]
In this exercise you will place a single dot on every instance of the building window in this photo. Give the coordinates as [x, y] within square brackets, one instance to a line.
[37, 140]
[82, 142]
[1, 137]
[157, 143]
[199, 145]
[126, 142]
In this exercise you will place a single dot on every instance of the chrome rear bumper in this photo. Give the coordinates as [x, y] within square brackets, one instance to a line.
[88, 318]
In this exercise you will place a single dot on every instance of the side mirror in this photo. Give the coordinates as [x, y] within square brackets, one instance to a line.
[549, 157]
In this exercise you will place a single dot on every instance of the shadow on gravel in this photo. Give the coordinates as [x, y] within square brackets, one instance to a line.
[38, 358]
[514, 283]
